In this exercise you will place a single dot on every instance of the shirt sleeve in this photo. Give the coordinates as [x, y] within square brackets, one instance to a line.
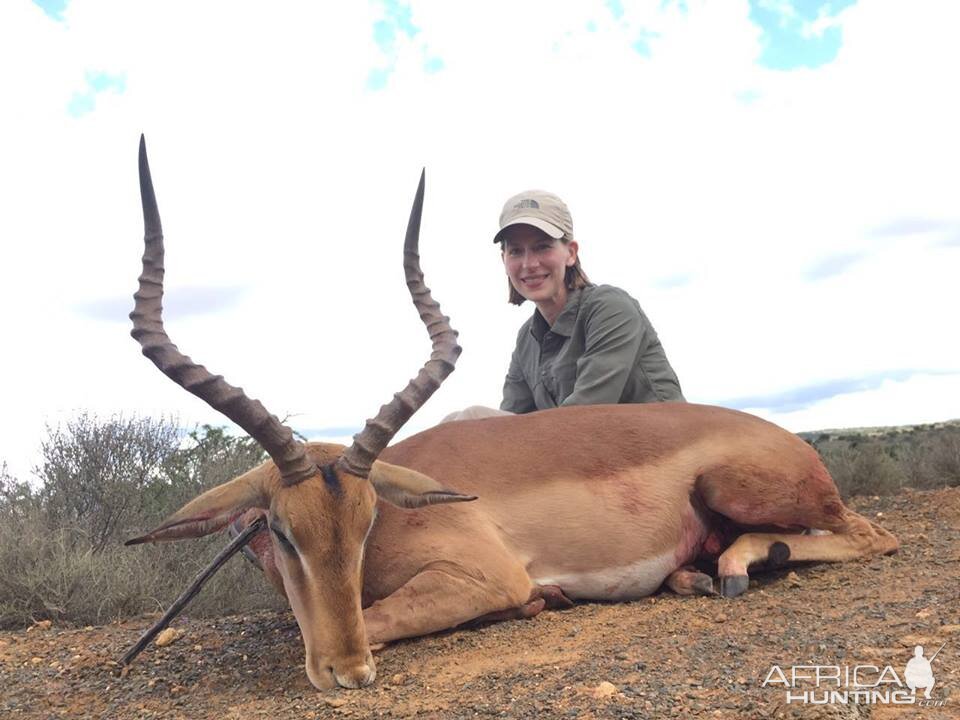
[615, 332]
[517, 395]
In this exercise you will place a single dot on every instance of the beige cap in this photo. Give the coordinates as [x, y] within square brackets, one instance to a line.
[543, 210]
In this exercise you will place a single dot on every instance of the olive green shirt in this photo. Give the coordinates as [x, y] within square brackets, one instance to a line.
[601, 349]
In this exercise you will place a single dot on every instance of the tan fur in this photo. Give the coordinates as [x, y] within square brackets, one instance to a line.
[569, 492]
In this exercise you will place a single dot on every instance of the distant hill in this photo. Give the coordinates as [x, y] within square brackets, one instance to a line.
[889, 431]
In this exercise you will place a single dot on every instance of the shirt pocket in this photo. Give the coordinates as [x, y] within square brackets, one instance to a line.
[563, 380]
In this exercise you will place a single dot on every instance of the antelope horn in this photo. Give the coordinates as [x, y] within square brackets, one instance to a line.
[369, 442]
[277, 439]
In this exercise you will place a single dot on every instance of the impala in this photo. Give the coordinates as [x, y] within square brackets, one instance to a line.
[601, 502]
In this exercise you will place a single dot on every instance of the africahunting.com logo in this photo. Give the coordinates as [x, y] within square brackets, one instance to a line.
[859, 684]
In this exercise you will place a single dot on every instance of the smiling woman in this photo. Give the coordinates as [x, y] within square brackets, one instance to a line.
[585, 344]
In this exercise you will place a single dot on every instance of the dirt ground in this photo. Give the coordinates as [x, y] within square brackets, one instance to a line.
[661, 657]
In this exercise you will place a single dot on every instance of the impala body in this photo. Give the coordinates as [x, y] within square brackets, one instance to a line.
[602, 502]
[624, 498]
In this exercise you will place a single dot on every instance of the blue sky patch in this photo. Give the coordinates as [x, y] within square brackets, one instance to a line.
[335, 431]
[97, 82]
[178, 302]
[398, 18]
[616, 8]
[803, 397]
[669, 282]
[53, 8]
[389, 32]
[798, 33]
[832, 266]
[910, 226]
[377, 79]
[642, 44]
[384, 35]
[432, 65]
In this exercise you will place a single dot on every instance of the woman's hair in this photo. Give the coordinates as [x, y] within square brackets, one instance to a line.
[574, 278]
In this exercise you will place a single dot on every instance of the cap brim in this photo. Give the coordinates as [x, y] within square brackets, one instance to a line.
[550, 229]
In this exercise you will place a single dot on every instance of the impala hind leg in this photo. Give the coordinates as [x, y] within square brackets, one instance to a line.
[791, 489]
[446, 594]
[690, 581]
[853, 536]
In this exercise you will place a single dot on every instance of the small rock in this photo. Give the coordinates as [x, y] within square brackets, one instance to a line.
[604, 689]
[41, 625]
[166, 637]
[793, 580]
[950, 629]
[198, 647]
[36, 660]
[924, 613]
[398, 679]
[335, 702]
[720, 618]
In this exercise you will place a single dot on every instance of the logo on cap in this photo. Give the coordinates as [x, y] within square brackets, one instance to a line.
[527, 203]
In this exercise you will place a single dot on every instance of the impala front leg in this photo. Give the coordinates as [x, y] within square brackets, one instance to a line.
[443, 595]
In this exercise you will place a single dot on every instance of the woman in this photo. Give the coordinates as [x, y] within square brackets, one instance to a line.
[585, 344]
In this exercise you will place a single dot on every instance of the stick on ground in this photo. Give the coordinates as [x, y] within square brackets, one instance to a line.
[187, 595]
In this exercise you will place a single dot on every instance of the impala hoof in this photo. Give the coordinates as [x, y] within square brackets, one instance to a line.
[778, 555]
[356, 677]
[703, 585]
[327, 677]
[733, 585]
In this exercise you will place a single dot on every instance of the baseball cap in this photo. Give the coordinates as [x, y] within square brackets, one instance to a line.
[543, 210]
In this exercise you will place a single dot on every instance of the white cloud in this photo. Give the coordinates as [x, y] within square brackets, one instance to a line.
[279, 171]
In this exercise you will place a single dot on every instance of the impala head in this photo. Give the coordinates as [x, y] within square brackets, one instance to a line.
[320, 500]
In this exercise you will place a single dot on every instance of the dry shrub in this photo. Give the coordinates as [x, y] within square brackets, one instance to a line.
[864, 470]
[934, 461]
[61, 545]
[49, 575]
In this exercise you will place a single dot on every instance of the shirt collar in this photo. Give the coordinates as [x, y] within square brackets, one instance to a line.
[565, 320]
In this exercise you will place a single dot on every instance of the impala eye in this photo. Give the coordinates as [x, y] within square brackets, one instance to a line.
[284, 542]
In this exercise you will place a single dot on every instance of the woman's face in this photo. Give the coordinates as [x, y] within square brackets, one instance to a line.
[536, 265]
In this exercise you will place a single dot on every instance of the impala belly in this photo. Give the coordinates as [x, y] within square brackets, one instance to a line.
[612, 539]
[625, 582]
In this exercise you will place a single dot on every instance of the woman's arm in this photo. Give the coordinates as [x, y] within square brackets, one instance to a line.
[615, 333]
[517, 395]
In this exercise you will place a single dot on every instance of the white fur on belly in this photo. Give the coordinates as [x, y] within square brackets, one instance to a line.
[627, 582]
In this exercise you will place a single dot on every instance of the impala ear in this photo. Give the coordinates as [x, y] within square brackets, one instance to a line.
[407, 488]
[211, 511]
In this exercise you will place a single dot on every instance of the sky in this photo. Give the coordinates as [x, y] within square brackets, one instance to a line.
[774, 180]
